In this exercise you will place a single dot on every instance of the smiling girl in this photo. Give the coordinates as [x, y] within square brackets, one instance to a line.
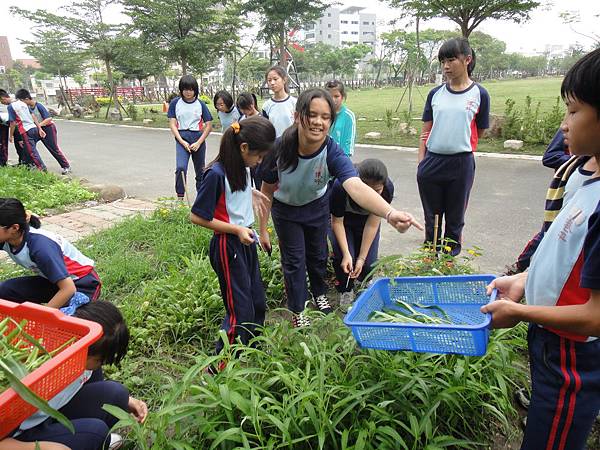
[295, 178]
[455, 115]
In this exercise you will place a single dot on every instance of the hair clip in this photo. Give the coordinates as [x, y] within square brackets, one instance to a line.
[236, 127]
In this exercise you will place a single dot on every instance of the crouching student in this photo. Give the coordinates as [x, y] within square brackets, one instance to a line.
[61, 269]
[81, 402]
[224, 205]
[562, 288]
[354, 231]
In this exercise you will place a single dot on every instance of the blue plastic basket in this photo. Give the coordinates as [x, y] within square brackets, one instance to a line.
[460, 297]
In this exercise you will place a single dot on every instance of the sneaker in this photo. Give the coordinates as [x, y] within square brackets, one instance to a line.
[300, 320]
[323, 304]
[522, 397]
[65, 171]
[116, 441]
[346, 299]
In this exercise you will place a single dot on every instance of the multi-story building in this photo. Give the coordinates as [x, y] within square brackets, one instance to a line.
[6, 61]
[343, 27]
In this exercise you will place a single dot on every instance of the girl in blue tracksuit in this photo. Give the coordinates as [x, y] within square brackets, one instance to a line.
[343, 131]
[296, 177]
[224, 205]
[354, 231]
[455, 115]
[191, 123]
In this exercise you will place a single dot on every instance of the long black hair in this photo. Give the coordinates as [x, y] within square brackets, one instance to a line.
[255, 131]
[188, 82]
[286, 150]
[582, 81]
[246, 100]
[282, 74]
[455, 47]
[338, 85]
[373, 170]
[13, 212]
[112, 346]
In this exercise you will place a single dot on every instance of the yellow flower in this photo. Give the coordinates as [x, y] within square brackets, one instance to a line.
[471, 252]
[270, 230]
[447, 248]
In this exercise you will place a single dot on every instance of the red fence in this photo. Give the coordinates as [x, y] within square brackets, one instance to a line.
[127, 92]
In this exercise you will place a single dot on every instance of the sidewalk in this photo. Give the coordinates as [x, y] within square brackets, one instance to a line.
[80, 223]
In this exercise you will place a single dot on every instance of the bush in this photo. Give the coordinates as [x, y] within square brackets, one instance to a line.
[206, 99]
[529, 124]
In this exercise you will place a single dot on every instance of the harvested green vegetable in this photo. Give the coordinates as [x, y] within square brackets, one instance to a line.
[21, 352]
[408, 314]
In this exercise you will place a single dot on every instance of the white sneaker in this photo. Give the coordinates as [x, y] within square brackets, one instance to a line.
[323, 304]
[346, 299]
[116, 441]
[300, 320]
[65, 171]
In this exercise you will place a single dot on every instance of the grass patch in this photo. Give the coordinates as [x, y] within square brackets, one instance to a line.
[362, 102]
[41, 191]
[301, 389]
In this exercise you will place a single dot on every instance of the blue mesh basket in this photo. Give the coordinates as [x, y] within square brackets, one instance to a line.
[460, 297]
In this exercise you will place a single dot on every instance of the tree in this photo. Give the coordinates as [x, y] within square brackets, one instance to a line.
[279, 17]
[57, 55]
[84, 24]
[489, 53]
[137, 60]
[193, 33]
[467, 14]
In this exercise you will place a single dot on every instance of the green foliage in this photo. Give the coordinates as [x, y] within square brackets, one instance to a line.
[132, 111]
[206, 99]
[40, 191]
[138, 59]
[529, 124]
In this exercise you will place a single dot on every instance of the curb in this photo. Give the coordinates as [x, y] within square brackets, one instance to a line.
[377, 146]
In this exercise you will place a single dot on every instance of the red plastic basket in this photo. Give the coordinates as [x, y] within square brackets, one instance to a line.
[54, 328]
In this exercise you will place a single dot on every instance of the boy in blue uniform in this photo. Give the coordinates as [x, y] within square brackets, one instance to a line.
[45, 121]
[562, 287]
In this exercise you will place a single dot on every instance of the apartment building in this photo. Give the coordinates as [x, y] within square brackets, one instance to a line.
[343, 27]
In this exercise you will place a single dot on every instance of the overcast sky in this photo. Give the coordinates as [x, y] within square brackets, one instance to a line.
[545, 28]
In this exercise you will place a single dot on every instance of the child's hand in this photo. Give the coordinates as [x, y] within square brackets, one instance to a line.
[246, 235]
[195, 146]
[402, 221]
[509, 288]
[358, 267]
[347, 263]
[265, 242]
[42, 133]
[138, 408]
[504, 313]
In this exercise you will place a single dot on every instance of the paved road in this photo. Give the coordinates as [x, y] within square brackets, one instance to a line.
[504, 211]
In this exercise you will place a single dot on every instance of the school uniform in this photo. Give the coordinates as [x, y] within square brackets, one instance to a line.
[235, 264]
[565, 367]
[567, 179]
[3, 135]
[190, 118]
[445, 176]
[18, 112]
[81, 402]
[280, 113]
[50, 141]
[557, 153]
[355, 218]
[343, 130]
[227, 118]
[52, 258]
[300, 214]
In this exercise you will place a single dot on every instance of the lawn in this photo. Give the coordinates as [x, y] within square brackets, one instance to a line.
[371, 106]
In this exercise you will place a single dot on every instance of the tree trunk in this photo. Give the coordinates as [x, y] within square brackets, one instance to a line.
[464, 28]
[183, 65]
[282, 56]
[113, 88]
[63, 93]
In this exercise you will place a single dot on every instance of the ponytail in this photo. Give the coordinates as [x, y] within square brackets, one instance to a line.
[12, 212]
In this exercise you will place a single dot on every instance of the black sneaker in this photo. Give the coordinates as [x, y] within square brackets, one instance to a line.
[323, 304]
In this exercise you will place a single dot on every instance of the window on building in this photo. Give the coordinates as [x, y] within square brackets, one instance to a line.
[365, 23]
[344, 21]
[321, 32]
[328, 25]
[355, 22]
[329, 36]
[355, 32]
[344, 32]
[372, 23]
[328, 14]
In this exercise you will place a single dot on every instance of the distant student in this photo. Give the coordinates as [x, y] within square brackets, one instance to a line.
[61, 269]
[246, 103]
[81, 401]
[226, 110]
[295, 178]
[224, 205]
[562, 290]
[3, 134]
[343, 130]
[27, 127]
[191, 123]
[280, 108]
[455, 115]
[354, 232]
[44, 119]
